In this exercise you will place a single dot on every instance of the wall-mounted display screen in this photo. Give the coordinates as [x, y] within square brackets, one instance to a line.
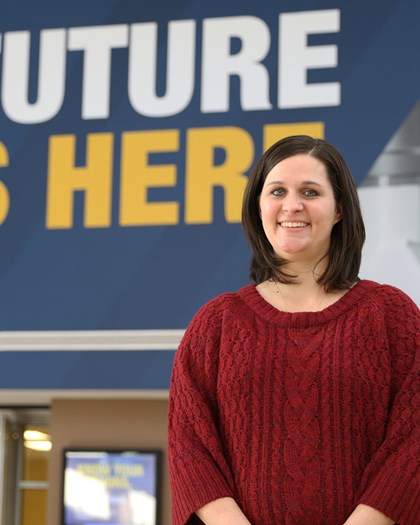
[111, 487]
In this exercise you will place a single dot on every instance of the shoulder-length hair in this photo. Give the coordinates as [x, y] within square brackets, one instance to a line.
[347, 236]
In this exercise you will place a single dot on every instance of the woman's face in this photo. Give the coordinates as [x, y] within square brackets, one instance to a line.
[298, 209]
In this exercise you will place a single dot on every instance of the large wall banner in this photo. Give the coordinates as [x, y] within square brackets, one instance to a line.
[127, 132]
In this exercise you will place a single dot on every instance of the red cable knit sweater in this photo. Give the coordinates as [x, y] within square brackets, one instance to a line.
[298, 416]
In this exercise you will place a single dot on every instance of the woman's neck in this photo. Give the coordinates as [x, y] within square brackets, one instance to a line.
[305, 295]
[306, 272]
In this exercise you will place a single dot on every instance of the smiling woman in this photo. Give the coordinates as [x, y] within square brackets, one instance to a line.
[310, 182]
[298, 209]
[292, 400]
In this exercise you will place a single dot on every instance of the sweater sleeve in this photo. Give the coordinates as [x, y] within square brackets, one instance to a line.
[391, 480]
[198, 469]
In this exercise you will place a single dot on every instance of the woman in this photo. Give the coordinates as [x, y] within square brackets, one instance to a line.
[292, 400]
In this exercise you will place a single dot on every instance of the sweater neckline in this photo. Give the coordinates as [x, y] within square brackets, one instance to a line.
[263, 308]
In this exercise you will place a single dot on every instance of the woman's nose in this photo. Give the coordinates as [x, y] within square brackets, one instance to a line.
[292, 203]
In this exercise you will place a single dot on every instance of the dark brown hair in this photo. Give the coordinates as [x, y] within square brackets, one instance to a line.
[347, 236]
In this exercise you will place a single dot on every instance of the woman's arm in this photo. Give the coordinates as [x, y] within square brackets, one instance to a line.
[390, 479]
[222, 511]
[365, 515]
[225, 510]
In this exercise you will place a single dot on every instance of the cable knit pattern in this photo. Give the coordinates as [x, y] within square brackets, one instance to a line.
[298, 416]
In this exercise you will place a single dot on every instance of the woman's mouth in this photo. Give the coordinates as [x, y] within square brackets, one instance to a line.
[289, 224]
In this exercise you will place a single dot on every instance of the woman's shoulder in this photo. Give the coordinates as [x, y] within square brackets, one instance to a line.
[210, 321]
[387, 295]
[226, 303]
[391, 307]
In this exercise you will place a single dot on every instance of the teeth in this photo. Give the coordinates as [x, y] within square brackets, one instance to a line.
[293, 224]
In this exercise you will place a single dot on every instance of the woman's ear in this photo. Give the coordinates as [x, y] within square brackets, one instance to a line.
[338, 214]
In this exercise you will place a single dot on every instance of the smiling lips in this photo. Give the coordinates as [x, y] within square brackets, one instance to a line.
[294, 224]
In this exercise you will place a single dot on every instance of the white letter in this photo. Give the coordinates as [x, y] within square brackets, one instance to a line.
[219, 64]
[51, 76]
[296, 57]
[97, 43]
[179, 69]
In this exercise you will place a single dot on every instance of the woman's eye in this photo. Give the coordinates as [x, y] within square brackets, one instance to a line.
[278, 192]
[310, 193]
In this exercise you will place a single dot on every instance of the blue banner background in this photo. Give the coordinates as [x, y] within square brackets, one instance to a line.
[156, 277]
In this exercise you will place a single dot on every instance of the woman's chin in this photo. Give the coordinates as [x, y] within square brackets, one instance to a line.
[290, 250]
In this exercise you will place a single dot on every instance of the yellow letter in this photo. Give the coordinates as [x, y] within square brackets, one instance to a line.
[95, 179]
[4, 194]
[202, 175]
[275, 132]
[137, 177]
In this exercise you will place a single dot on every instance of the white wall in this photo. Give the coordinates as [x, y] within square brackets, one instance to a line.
[392, 250]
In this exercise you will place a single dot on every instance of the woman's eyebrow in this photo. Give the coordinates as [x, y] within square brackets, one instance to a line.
[311, 182]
